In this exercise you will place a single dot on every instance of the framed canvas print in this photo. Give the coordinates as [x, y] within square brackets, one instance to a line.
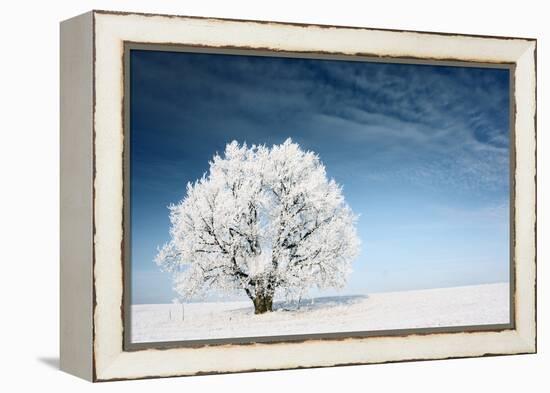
[245, 195]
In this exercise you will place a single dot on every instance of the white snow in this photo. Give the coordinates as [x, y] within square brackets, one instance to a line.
[444, 307]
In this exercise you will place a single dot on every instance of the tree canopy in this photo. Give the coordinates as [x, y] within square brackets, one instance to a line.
[263, 220]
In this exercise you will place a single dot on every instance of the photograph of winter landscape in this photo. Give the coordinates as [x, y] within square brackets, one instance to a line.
[285, 196]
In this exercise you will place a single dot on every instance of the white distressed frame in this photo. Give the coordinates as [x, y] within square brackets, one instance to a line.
[111, 30]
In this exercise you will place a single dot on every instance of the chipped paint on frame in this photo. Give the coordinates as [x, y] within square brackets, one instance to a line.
[112, 30]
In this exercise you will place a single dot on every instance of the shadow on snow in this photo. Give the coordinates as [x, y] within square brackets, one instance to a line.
[310, 304]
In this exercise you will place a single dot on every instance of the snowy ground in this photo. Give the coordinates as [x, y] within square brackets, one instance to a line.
[459, 306]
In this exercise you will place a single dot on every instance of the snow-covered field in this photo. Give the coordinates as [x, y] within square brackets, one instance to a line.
[458, 306]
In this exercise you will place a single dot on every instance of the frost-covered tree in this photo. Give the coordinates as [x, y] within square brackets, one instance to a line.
[263, 221]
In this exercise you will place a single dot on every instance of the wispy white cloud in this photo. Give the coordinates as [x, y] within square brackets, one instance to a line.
[433, 125]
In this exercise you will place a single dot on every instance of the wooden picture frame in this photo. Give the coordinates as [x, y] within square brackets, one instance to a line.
[94, 188]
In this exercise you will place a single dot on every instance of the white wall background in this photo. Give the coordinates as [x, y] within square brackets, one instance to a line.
[29, 183]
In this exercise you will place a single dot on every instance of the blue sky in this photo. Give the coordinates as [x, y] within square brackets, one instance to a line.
[422, 153]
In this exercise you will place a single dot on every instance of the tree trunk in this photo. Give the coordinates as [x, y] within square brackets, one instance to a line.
[263, 304]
